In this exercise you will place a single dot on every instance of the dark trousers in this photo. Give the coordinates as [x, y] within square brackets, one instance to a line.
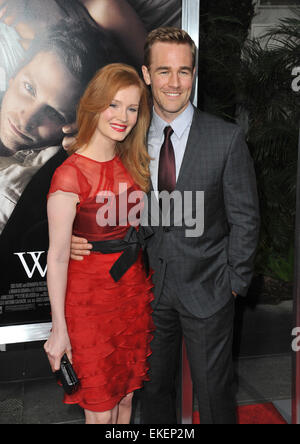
[209, 349]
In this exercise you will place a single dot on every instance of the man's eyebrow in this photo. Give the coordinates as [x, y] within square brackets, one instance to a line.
[187, 68]
[69, 116]
[64, 114]
[61, 114]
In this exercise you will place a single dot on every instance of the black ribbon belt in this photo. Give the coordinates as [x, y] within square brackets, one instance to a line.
[131, 246]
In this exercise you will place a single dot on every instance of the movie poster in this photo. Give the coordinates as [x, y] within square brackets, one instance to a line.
[49, 51]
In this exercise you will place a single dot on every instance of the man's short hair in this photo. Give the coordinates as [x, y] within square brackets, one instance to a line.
[83, 49]
[168, 35]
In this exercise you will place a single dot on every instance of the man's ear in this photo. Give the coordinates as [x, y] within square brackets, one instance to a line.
[146, 75]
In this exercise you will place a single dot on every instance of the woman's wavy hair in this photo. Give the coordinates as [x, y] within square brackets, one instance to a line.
[97, 98]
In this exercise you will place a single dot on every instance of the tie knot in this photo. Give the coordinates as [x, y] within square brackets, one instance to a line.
[168, 132]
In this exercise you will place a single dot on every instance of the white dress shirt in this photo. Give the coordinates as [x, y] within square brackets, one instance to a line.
[181, 127]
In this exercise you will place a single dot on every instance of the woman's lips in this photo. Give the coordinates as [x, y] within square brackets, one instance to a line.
[118, 128]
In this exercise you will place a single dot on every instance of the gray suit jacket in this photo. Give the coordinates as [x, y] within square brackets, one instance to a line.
[204, 270]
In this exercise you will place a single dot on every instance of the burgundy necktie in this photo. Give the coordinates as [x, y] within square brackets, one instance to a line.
[167, 166]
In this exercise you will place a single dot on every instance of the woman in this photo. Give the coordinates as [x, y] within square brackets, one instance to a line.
[102, 317]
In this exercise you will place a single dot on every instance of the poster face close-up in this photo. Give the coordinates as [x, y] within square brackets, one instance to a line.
[49, 51]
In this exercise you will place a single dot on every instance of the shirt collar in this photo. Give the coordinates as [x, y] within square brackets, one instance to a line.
[179, 125]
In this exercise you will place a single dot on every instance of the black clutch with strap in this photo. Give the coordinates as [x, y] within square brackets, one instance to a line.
[67, 377]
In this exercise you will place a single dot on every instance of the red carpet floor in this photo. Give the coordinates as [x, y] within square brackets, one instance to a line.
[254, 414]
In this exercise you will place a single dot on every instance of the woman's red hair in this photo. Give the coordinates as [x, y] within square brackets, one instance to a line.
[97, 98]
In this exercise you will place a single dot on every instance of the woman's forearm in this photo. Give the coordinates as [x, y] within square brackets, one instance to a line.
[57, 284]
[61, 214]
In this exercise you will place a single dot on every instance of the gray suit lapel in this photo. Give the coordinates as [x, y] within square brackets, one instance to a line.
[192, 151]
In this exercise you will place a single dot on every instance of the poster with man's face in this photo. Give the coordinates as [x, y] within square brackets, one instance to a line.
[49, 51]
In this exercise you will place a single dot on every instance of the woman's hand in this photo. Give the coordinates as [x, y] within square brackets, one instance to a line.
[57, 345]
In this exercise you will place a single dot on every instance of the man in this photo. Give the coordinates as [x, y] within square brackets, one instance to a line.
[40, 100]
[196, 278]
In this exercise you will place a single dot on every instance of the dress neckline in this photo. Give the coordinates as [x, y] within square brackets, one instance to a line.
[96, 161]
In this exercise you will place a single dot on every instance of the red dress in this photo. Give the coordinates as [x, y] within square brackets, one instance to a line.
[109, 323]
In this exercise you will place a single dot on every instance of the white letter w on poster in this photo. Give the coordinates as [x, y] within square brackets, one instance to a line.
[35, 255]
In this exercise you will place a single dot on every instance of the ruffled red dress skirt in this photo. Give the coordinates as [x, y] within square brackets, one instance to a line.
[109, 325]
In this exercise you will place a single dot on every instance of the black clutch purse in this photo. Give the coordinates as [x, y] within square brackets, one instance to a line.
[67, 376]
